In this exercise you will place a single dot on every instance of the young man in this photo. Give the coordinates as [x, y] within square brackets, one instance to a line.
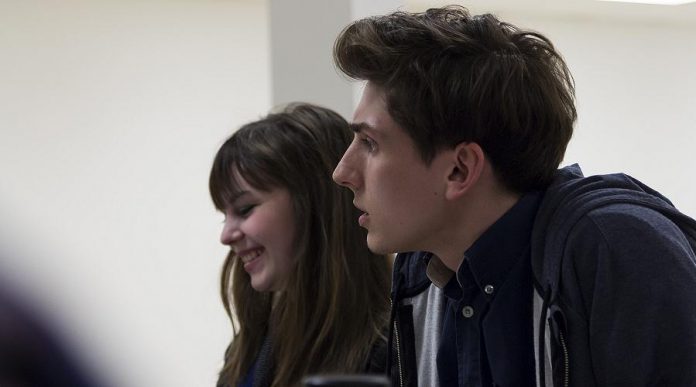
[510, 272]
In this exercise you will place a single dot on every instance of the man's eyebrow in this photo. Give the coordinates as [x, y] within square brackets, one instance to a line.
[359, 127]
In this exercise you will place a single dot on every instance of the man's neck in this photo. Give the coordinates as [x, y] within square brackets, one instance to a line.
[476, 214]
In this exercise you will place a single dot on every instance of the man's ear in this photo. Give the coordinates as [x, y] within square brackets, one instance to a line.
[467, 165]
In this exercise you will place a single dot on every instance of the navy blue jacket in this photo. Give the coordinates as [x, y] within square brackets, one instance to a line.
[614, 263]
[615, 275]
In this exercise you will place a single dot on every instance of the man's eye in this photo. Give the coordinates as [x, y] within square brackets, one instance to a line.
[368, 143]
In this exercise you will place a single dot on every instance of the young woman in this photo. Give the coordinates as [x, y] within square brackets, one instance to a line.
[308, 295]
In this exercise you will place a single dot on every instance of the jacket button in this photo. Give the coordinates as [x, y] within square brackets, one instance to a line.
[489, 289]
[467, 311]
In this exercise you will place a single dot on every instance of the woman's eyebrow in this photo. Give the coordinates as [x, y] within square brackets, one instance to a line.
[238, 195]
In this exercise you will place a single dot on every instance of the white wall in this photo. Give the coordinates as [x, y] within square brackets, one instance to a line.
[636, 94]
[110, 114]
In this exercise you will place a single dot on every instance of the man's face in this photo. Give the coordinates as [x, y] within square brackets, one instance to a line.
[401, 199]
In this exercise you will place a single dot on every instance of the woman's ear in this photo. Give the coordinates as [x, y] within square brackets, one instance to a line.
[467, 164]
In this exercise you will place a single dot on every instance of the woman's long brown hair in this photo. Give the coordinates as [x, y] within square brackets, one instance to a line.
[335, 305]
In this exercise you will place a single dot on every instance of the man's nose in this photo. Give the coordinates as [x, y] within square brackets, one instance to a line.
[345, 174]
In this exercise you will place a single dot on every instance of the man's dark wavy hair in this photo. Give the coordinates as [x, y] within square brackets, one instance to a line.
[449, 77]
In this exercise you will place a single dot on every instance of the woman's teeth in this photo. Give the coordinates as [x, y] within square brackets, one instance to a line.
[251, 255]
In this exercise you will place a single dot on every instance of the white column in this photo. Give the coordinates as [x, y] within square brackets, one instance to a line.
[302, 37]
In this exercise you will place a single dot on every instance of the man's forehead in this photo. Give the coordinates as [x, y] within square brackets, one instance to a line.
[371, 115]
[373, 94]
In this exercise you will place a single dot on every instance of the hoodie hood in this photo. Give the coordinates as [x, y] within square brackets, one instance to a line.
[570, 197]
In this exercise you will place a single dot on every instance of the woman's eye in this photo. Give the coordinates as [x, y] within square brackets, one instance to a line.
[244, 211]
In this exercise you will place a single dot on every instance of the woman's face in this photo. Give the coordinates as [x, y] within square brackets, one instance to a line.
[259, 227]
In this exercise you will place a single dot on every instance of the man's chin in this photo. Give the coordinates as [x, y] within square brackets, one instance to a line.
[378, 246]
[374, 246]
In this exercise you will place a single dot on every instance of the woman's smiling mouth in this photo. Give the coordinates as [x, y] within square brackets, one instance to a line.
[250, 255]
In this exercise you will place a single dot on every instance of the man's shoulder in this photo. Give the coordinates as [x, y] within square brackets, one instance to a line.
[624, 217]
[582, 215]
[619, 241]
[632, 228]
[611, 201]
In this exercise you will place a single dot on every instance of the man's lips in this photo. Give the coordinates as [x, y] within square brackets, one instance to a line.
[364, 217]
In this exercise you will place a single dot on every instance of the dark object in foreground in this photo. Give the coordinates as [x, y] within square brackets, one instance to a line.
[346, 381]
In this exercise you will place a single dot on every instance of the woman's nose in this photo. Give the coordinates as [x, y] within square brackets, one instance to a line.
[230, 233]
